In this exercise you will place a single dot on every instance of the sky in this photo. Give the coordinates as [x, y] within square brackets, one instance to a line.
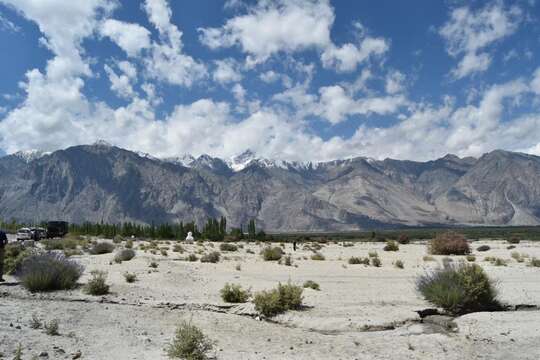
[287, 79]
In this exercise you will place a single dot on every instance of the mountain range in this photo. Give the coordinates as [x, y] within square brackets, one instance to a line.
[101, 182]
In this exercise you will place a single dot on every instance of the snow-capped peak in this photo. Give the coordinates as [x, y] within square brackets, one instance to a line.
[102, 142]
[184, 160]
[29, 155]
[240, 162]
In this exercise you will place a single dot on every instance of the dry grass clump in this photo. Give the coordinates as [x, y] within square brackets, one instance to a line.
[233, 293]
[52, 327]
[311, 285]
[118, 239]
[97, 285]
[278, 300]
[124, 255]
[399, 264]
[483, 248]
[318, 257]
[535, 262]
[449, 243]
[428, 258]
[287, 260]
[459, 289]
[189, 343]
[14, 255]
[353, 260]
[228, 247]
[49, 272]
[130, 277]
[517, 256]
[178, 249]
[153, 265]
[212, 257]
[272, 253]
[391, 245]
[470, 258]
[60, 244]
[373, 254]
[376, 262]
[192, 258]
[35, 322]
[102, 248]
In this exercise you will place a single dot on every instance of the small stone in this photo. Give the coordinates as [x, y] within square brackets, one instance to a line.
[43, 354]
[76, 355]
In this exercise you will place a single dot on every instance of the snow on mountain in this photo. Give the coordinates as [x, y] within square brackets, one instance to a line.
[29, 155]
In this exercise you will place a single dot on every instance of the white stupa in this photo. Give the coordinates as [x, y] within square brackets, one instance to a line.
[189, 237]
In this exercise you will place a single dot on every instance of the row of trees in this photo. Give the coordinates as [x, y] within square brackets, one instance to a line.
[214, 229]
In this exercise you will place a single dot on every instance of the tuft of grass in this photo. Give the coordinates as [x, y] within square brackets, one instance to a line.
[449, 243]
[102, 248]
[391, 245]
[189, 343]
[52, 327]
[212, 257]
[118, 239]
[130, 277]
[483, 248]
[164, 252]
[97, 285]
[178, 249]
[35, 322]
[318, 257]
[428, 258]
[228, 247]
[278, 300]
[499, 262]
[129, 244]
[233, 293]
[272, 253]
[517, 256]
[192, 257]
[124, 255]
[14, 256]
[153, 265]
[312, 285]
[373, 254]
[376, 262]
[459, 289]
[238, 267]
[399, 264]
[470, 258]
[49, 272]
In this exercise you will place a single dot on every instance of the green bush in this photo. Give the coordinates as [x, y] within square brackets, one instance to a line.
[97, 285]
[228, 247]
[449, 243]
[272, 253]
[459, 289]
[48, 272]
[318, 257]
[189, 343]
[483, 248]
[233, 293]
[212, 257]
[276, 301]
[358, 260]
[312, 285]
[102, 248]
[514, 240]
[124, 255]
[391, 245]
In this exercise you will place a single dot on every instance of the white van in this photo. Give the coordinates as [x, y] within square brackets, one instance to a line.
[24, 234]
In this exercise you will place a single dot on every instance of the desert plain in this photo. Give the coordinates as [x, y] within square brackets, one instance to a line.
[360, 312]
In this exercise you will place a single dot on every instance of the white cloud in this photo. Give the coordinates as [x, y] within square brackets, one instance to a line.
[131, 38]
[394, 82]
[347, 57]
[8, 25]
[535, 82]
[469, 33]
[167, 62]
[269, 76]
[122, 84]
[226, 71]
[274, 26]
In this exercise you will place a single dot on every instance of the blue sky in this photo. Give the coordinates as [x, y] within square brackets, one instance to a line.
[295, 80]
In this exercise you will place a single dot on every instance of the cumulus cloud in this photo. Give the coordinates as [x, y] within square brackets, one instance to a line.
[468, 33]
[121, 84]
[226, 71]
[270, 27]
[131, 38]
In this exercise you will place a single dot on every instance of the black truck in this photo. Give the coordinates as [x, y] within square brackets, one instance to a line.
[57, 229]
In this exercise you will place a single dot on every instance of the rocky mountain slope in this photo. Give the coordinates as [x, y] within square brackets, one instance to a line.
[105, 183]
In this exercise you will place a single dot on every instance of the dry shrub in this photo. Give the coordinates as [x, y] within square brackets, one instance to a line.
[272, 253]
[228, 247]
[102, 248]
[233, 293]
[124, 255]
[189, 343]
[97, 285]
[278, 300]
[212, 257]
[49, 272]
[391, 245]
[449, 243]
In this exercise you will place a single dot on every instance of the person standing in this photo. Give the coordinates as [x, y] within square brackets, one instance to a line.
[3, 243]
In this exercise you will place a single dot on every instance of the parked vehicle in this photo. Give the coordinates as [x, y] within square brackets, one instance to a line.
[41, 233]
[24, 234]
[57, 229]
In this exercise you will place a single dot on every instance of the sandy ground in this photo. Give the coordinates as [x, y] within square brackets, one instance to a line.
[360, 313]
